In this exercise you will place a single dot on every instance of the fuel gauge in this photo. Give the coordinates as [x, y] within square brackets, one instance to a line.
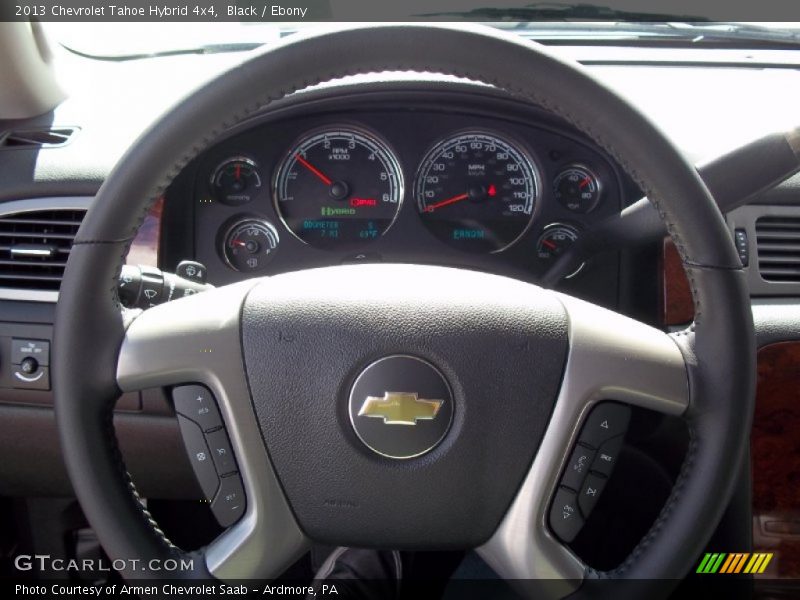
[249, 245]
[236, 181]
[554, 241]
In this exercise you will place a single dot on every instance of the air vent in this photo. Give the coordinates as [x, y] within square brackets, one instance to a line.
[778, 244]
[34, 246]
[38, 138]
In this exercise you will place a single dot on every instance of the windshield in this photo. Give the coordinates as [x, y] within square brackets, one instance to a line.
[129, 39]
[140, 40]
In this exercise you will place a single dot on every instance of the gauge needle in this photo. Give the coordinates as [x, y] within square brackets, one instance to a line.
[549, 244]
[322, 177]
[453, 200]
[238, 243]
[586, 181]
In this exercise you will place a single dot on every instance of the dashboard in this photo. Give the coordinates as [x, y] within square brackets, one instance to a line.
[250, 196]
[403, 175]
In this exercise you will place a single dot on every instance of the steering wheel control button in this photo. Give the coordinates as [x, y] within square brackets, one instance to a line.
[36, 349]
[221, 451]
[607, 456]
[565, 517]
[229, 503]
[199, 456]
[198, 404]
[401, 406]
[578, 467]
[590, 493]
[606, 420]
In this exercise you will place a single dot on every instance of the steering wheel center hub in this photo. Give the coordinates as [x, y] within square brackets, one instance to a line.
[401, 406]
[337, 429]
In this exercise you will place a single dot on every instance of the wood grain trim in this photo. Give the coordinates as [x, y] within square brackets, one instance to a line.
[676, 305]
[775, 455]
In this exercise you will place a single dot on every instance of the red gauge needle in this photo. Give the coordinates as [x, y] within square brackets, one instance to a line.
[322, 177]
[549, 244]
[238, 174]
[238, 243]
[586, 181]
[453, 200]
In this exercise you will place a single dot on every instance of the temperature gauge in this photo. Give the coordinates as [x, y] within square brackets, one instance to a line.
[249, 245]
[554, 241]
[236, 181]
[577, 189]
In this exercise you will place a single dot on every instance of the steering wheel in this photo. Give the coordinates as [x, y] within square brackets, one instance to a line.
[519, 368]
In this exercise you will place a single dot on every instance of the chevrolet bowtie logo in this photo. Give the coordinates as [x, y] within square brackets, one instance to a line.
[400, 408]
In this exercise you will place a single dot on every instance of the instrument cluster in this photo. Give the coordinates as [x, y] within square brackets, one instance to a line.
[442, 188]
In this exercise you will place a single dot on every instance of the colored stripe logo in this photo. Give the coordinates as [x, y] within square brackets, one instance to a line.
[741, 562]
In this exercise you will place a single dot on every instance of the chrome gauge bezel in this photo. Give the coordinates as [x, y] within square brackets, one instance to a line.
[239, 222]
[558, 225]
[364, 133]
[562, 172]
[217, 172]
[523, 156]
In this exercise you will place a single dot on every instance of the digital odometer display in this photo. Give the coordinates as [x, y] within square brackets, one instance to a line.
[338, 187]
[476, 191]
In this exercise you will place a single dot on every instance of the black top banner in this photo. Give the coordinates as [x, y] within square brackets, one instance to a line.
[403, 10]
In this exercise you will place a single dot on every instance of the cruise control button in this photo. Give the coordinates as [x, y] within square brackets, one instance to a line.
[565, 518]
[199, 457]
[607, 455]
[606, 420]
[221, 451]
[197, 403]
[590, 492]
[228, 506]
[577, 467]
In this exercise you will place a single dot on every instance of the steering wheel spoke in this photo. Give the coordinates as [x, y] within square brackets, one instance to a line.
[196, 340]
[611, 357]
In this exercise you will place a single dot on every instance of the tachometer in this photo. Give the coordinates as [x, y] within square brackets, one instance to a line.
[477, 191]
[338, 187]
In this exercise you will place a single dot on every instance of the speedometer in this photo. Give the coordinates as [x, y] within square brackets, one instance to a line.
[338, 187]
[477, 191]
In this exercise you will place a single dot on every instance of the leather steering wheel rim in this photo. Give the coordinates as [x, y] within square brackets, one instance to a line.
[718, 348]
